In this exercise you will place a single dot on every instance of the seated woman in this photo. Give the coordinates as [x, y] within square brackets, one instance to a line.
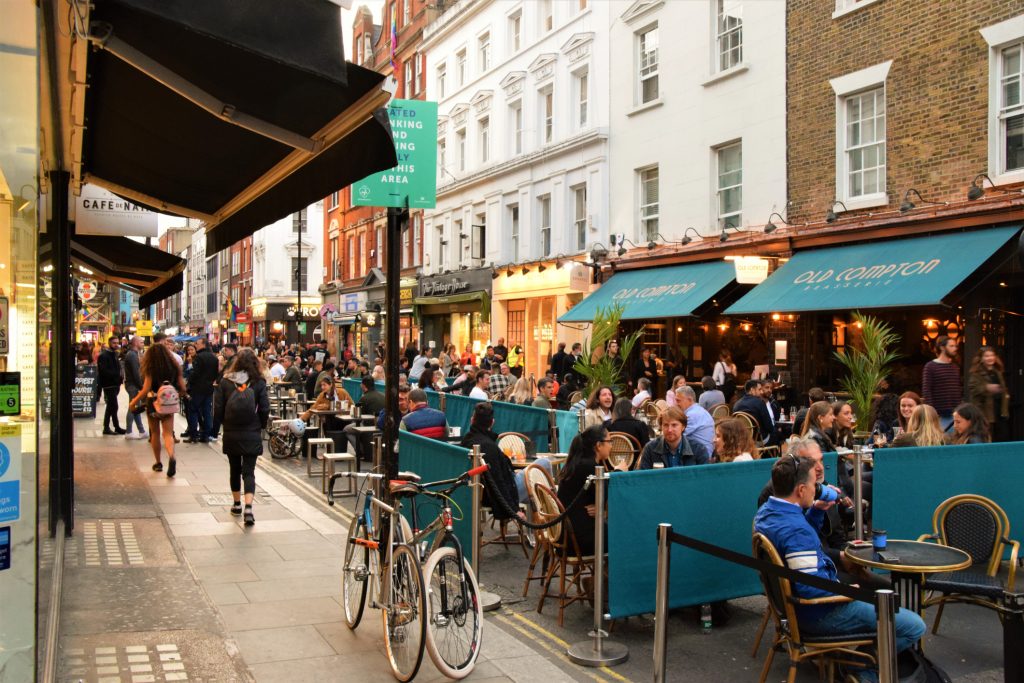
[887, 418]
[672, 449]
[923, 429]
[908, 401]
[843, 424]
[710, 396]
[677, 381]
[599, 407]
[969, 425]
[734, 442]
[520, 393]
[623, 421]
[590, 448]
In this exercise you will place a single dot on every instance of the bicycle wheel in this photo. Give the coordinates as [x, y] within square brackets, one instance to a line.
[454, 624]
[404, 626]
[279, 446]
[355, 573]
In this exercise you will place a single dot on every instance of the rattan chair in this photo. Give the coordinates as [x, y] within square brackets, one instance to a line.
[625, 448]
[565, 558]
[514, 444]
[825, 650]
[535, 474]
[980, 528]
[651, 410]
[575, 396]
[721, 412]
[751, 422]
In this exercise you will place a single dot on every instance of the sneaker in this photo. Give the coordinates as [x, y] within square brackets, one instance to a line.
[236, 508]
[142, 435]
[213, 439]
[249, 519]
[108, 432]
[172, 467]
[119, 430]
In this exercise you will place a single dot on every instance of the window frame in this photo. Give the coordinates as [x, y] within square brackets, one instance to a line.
[515, 30]
[721, 35]
[417, 238]
[546, 129]
[1000, 37]
[516, 116]
[644, 220]
[440, 74]
[641, 77]
[544, 225]
[461, 72]
[483, 51]
[513, 231]
[460, 144]
[484, 138]
[581, 98]
[300, 273]
[844, 87]
[724, 219]
[579, 221]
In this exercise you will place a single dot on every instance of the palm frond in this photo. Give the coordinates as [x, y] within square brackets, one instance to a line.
[868, 364]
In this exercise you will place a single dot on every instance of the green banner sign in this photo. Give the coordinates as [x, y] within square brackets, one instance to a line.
[414, 129]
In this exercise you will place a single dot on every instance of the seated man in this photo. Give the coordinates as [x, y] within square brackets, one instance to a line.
[370, 403]
[422, 419]
[643, 392]
[784, 520]
[672, 449]
[752, 403]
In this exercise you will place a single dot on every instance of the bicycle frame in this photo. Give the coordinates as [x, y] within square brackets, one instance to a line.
[443, 525]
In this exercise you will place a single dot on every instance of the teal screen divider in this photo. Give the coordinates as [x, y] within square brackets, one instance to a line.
[527, 420]
[909, 483]
[433, 461]
[568, 424]
[353, 387]
[713, 503]
[434, 399]
[459, 410]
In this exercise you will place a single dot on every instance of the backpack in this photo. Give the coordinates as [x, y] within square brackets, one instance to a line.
[914, 667]
[167, 400]
[240, 405]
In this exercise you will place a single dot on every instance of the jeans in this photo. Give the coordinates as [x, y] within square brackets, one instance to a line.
[521, 478]
[860, 617]
[200, 416]
[130, 418]
[110, 399]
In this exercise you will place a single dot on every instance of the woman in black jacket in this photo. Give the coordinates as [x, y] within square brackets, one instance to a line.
[241, 406]
[623, 421]
[590, 448]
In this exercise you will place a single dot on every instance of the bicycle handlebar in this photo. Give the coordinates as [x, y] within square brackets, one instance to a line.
[457, 481]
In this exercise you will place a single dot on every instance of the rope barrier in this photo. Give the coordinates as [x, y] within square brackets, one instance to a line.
[496, 495]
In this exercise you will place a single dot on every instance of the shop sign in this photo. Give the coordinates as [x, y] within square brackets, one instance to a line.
[10, 393]
[10, 472]
[353, 302]
[259, 311]
[242, 318]
[5, 311]
[98, 212]
[369, 318]
[751, 270]
[405, 296]
[144, 328]
[307, 311]
[579, 278]
[476, 279]
[443, 287]
[413, 181]
[87, 290]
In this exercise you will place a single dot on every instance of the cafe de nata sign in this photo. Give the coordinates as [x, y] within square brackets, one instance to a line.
[98, 212]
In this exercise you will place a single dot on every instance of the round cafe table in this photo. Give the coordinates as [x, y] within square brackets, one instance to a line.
[914, 560]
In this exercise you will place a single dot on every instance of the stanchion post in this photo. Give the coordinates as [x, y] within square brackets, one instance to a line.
[489, 601]
[858, 491]
[885, 606]
[552, 432]
[661, 603]
[598, 651]
[1013, 637]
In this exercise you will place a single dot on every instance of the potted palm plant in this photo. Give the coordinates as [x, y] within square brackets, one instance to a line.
[594, 365]
[868, 363]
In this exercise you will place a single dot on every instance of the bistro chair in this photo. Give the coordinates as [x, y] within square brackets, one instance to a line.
[826, 651]
[537, 475]
[575, 396]
[752, 425]
[662, 404]
[625, 448]
[515, 445]
[565, 559]
[980, 528]
[652, 411]
[720, 412]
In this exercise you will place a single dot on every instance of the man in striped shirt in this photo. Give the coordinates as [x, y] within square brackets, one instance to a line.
[942, 382]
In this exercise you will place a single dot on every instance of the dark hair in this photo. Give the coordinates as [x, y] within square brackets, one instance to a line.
[483, 415]
[978, 366]
[843, 435]
[158, 363]
[751, 384]
[941, 342]
[426, 379]
[708, 383]
[245, 361]
[816, 394]
[543, 382]
[788, 472]
[583, 451]
[592, 401]
[368, 383]
[623, 407]
[887, 410]
[417, 396]
[159, 337]
[814, 414]
[977, 425]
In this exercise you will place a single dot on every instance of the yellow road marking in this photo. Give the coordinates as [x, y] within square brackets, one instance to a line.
[545, 645]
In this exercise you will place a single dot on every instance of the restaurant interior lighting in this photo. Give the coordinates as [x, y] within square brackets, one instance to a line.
[830, 215]
[770, 227]
[907, 205]
[687, 239]
[746, 327]
[776, 317]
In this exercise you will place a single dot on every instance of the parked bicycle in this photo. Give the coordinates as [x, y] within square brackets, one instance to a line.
[286, 440]
[454, 613]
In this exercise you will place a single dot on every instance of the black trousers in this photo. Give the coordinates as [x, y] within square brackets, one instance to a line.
[110, 399]
[243, 470]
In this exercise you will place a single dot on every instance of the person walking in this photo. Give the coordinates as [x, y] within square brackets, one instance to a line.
[162, 381]
[242, 408]
[941, 383]
[110, 376]
[987, 390]
[132, 384]
[200, 388]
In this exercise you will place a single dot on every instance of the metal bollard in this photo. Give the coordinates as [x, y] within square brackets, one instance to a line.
[489, 601]
[661, 603]
[1013, 637]
[858, 492]
[552, 432]
[885, 606]
[598, 651]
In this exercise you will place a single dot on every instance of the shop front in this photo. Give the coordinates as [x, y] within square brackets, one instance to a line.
[343, 320]
[455, 309]
[528, 303]
[276, 321]
[408, 329]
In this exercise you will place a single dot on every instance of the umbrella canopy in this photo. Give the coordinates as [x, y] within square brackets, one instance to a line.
[235, 113]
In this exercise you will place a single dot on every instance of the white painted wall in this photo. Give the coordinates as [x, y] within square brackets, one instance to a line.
[197, 275]
[695, 113]
[576, 155]
[274, 247]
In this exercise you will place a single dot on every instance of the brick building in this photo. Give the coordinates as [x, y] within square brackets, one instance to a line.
[354, 236]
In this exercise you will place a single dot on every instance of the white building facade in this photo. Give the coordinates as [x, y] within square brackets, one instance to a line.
[195, 281]
[699, 117]
[282, 264]
[523, 152]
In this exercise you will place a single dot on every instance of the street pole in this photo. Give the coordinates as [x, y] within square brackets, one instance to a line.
[392, 300]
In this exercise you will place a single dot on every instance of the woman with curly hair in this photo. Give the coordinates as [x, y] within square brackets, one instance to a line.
[969, 425]
[158, 368]
[734, 442]
[987, 391]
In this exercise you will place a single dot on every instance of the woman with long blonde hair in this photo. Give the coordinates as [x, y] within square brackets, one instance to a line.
[521, 392]
[923, 429]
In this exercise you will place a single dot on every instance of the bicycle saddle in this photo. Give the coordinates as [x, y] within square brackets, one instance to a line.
[403, 487]
[409, 476]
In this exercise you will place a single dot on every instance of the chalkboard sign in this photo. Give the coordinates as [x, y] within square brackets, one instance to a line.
[83, 395]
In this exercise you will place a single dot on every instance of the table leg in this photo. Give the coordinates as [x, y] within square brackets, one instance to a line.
[909, 588]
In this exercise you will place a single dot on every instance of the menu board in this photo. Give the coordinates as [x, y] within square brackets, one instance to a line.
[83, 395]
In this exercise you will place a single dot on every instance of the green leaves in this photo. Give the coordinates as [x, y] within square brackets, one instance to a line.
[595, 366]
[868, 365]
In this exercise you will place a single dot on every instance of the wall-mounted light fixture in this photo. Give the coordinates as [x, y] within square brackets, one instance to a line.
[770, 227]
[907, 205]
[686, 236]
[622, 249]
[725, 234]
[830, 215]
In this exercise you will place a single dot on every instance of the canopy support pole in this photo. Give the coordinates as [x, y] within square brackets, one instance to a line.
[62, 362]
[392, 303]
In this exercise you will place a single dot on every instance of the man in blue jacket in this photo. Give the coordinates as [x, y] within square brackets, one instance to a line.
[784, 521]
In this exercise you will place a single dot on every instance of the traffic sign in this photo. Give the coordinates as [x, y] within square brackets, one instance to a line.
[87, 290]
[414, 179]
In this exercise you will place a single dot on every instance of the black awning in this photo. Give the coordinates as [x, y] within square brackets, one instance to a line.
[152, 273]
[236, 113]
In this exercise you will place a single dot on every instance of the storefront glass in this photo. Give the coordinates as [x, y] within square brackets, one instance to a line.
[20, 354]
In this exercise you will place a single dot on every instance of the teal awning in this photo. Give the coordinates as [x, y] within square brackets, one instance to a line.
[656, 292]
[918, 271]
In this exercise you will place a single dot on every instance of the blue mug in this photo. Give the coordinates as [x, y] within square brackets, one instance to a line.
[878, 539]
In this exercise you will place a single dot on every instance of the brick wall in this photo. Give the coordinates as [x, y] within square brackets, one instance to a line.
[936, 93]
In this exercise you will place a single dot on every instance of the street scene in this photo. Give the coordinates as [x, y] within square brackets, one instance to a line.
[511, 340]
